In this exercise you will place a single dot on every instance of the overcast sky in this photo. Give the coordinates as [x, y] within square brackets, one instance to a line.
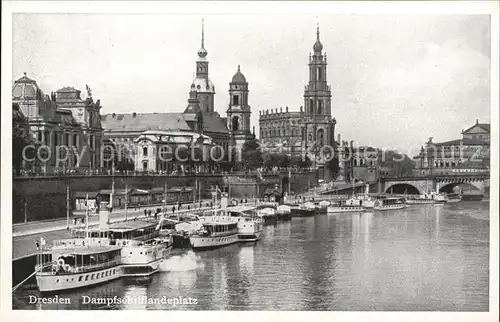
[396, 80]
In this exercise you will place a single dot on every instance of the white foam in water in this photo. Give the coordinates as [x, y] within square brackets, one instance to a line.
[181, 263]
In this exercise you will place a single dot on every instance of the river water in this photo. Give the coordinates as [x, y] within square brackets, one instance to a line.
[423, 258]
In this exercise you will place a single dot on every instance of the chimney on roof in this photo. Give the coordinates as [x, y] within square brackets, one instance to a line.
[301, 109]
[113, 115]
[287, 109]
[477, 121]
[134, 114]
[281, 109]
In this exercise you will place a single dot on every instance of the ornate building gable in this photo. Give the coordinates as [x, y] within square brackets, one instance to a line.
[85, 112]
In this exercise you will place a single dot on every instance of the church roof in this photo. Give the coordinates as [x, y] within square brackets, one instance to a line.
[239, 78]
[160, 121]
[138, 122]
[213, 123]
[203, 85]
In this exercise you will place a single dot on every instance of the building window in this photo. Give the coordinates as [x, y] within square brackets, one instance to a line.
[236, 100]
[318, 74]
[145, 151]
[145, 166]
[320, 107]
[75, 140]
[236, 125]
[91, 141]
[311, 106]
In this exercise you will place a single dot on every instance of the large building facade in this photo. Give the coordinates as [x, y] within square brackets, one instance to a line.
[128, 133]
[66, 126]
[471, 153]
[312, 130]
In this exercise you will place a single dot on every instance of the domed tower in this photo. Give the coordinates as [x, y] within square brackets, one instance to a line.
[205, 89]
[238, 113]
[192, 113]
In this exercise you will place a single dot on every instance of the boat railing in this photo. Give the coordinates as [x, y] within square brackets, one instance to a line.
[79, 242]
[59, 270]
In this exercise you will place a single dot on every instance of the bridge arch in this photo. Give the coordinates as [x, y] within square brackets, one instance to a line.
[449, 187]
[403, 188]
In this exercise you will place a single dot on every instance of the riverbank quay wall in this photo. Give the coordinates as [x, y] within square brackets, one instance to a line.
[40, 198]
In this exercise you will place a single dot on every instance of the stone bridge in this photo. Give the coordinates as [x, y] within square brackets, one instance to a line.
[446, 183]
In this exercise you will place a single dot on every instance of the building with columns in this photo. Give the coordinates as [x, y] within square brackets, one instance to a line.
[66, 125]
[315, 122]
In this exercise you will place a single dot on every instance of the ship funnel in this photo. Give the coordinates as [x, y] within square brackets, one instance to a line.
[104, 215]
[367, 188]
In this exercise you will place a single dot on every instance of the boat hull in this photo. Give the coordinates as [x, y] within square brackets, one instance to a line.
[181, 241]
[141, 270]
[269, 220]
[389, 207]
[58, 283]
[303, 212]
[322, 211]
[420, 201]
[454, 200]
[284, 216]
[207, 242]
[249, 237]
[345, 209]
[472, 197]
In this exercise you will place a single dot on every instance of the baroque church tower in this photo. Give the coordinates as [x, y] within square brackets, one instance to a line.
[238, 113]
[205, 89]
[318, 129]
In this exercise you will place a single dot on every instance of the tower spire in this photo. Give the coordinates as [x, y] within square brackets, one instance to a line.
[318, 47]
[202, 33]
[202, 53]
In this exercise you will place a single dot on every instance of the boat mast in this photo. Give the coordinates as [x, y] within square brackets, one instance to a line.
[126, 201]
[199, 194]
[67, 207]
[86, 217]
[165, 199]
[111, 196]
[289, 180]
